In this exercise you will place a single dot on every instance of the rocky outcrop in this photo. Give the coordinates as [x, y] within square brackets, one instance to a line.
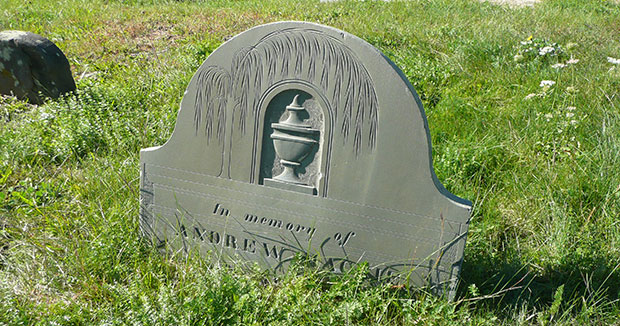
[32, 67]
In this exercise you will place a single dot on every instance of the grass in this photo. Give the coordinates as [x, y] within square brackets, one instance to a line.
[543, 172]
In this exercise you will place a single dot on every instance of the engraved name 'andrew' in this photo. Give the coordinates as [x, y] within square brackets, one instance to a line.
[248, 242]
[276, 248]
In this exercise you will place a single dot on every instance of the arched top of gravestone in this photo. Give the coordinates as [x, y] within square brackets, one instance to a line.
[375, 144]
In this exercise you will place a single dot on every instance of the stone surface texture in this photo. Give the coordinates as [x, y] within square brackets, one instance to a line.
[297, 138]
[32, 67]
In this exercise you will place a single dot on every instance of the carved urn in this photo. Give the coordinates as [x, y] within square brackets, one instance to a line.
[293, 141]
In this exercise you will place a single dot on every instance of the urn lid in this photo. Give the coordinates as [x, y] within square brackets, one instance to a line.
[294, 122]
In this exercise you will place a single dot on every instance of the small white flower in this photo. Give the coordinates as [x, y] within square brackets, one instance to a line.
[558, 66]
[546, 83]
[545, 50]
[571, 108]
[548, 116]
[526, 42]
[573, 122]
[571, 89]
[518, 58]
[613, 61]
[570, 114]
[530, 96]
[572, 61]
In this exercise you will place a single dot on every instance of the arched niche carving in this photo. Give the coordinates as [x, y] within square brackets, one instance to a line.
[319, 115]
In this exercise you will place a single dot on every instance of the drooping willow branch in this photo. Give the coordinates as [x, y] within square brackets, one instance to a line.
[317, 58]
[213, 90]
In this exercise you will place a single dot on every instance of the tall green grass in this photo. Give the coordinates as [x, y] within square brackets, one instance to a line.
[541, 164]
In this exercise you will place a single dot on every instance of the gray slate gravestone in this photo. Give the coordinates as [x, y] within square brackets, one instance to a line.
[32, 67]
[299, 138]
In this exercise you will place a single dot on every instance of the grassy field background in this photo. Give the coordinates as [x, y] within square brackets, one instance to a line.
[540, 160]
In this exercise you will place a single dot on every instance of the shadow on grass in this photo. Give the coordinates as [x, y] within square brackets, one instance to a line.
[504, 283]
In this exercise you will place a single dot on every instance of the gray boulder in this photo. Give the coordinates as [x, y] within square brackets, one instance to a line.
[32, 67]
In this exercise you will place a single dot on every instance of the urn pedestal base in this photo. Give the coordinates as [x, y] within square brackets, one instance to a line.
[289, 186]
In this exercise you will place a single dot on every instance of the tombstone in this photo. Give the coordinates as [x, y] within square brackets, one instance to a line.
[32, 67]
[297, 138]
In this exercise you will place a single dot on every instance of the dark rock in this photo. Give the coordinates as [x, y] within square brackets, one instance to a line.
[32, 67]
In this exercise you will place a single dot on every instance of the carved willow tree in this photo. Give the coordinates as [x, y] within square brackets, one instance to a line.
[291, 54]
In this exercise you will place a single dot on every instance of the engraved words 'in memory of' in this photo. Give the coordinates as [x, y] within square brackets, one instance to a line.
[297, 138]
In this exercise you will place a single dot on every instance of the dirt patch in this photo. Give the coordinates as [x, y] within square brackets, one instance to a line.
[149, 33]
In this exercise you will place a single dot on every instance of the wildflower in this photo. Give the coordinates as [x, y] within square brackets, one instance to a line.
[570, 114]
[571, 45]
[547, 83]
[530, 96]
[572, 61]
[571, 108]
[548, 116]
[545, 50]
[613, 61]
[571, 89]
[573, 122]
[558, 66]
[518, 58]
